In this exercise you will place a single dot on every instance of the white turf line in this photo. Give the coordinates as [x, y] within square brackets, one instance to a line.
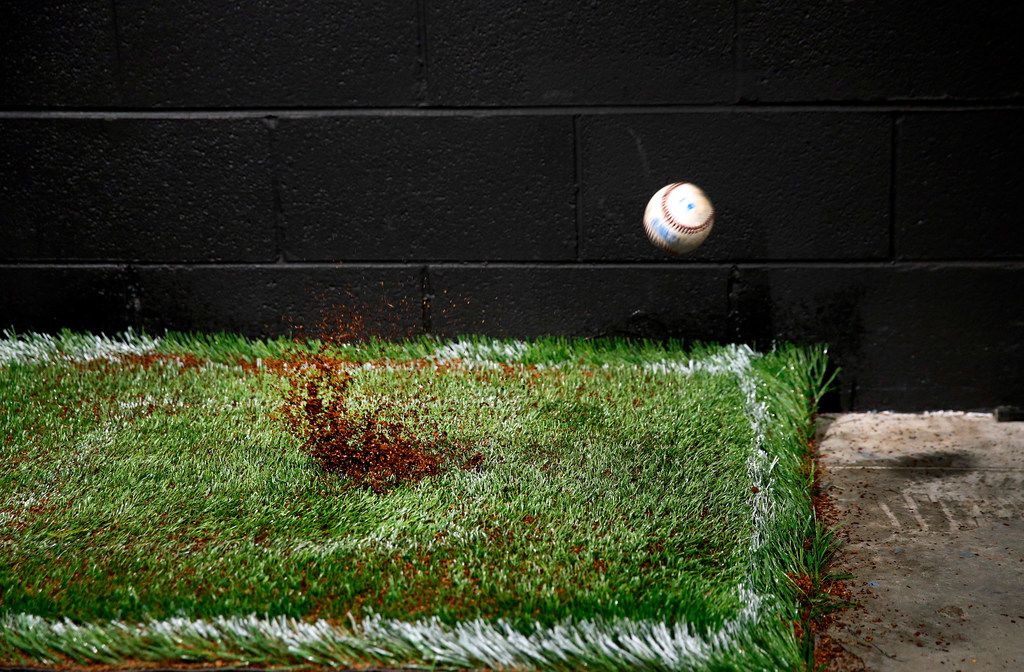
[469, 644]
[38, 348]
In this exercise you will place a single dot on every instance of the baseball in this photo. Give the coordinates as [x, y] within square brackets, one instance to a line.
[679, 217]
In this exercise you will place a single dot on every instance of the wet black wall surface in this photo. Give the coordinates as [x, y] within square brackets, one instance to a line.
[446, 166]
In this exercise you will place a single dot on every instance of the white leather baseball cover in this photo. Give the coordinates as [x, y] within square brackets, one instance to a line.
[679, 217]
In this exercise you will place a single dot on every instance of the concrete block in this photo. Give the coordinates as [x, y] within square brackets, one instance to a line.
[808, 50]
[270, 300]
[58, 54]
[51, 298]
[136, 189]
[957, 176]
[908, 337]
[428, 188]
[525, 301]
[269, 53]
[549, 52]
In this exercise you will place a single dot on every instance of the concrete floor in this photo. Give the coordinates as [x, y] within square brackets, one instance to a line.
[933, 506]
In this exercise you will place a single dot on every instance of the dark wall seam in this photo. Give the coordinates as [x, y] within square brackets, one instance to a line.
[274, 159]
[737, 55]
[118, 63]
[423, 55]
[894, 146]
[427, 299]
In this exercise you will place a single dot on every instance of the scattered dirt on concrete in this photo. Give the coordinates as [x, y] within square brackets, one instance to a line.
[824, 597]
[825, 508]
[828, 654]
[931, 510]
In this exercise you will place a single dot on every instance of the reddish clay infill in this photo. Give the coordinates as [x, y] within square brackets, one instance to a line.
[182, 361]
[376, 447]
[370, 446]
[826, 651]
[295, 364]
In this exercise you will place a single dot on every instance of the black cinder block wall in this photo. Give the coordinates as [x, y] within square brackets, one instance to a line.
[454, 166]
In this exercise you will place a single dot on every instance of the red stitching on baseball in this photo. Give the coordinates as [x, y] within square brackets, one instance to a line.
[678, 226]
[658, 240]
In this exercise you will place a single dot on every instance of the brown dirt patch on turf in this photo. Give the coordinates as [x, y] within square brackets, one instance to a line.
[375, 443]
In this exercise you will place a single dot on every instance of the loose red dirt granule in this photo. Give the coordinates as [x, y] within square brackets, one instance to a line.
[370, 446]
[360, 316]
[183, 361]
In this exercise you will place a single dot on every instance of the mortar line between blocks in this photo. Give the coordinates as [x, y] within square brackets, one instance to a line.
[1008, 264]
[299, 112]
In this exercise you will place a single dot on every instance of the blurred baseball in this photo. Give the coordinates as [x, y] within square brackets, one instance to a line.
[679, 217]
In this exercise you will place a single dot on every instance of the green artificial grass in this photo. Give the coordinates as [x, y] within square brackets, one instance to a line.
[637, 505]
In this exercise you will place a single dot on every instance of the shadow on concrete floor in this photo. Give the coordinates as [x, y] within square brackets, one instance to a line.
[933, 508]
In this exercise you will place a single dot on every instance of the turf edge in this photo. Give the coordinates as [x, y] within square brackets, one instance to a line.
[782, 389]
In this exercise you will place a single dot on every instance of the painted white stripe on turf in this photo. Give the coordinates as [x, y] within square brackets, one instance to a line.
[473, 644]
[485, 353]
[38, 348]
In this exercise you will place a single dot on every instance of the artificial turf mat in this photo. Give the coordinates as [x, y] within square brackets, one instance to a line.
[594, 503]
